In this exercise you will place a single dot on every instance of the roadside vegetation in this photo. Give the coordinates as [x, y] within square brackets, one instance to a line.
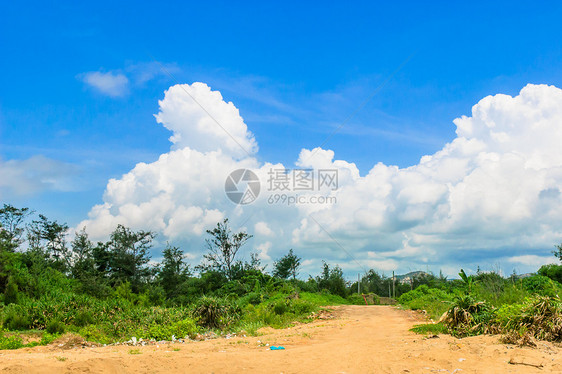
[106, 292]
[521, 309]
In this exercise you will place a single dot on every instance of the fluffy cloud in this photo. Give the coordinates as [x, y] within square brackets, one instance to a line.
[490, 195]
[200, 119]
[110, 83]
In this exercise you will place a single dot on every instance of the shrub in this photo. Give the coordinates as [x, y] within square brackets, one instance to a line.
[10, 342]
[323, 298]
[539, 317]
[215, 312]
[186, 328]
[552, 271]
[434, 301]
[302, 307]
[541, 285]
[468, 316]
[55, 327]
[254, 298]
[280, 307]
[16, 320]
[83, 318]
[94, 334]
[11, 294]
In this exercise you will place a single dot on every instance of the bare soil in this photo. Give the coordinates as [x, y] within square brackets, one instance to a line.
[359, 339]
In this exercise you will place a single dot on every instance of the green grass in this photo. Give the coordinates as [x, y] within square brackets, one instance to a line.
[434, 301]
[112, 320]
[323, 299]
[429, 328]
[14, 340]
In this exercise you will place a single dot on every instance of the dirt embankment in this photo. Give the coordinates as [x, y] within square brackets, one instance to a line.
[360, 339]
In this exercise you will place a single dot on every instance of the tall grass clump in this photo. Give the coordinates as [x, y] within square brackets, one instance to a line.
[466, 316]
[214, 312]
[537, 317]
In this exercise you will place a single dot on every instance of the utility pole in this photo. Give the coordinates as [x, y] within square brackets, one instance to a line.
[358, 283]
[393, 285]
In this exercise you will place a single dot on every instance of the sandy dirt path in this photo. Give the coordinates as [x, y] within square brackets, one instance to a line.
[359, 339]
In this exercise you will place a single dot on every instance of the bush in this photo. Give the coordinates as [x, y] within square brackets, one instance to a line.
[215, 312]
[186, 328]
[541, 285]
[16, 320]
[280, 307]
[323, 298]
[552, 271]
[55, 327]
[539, 317]
[254, 298]
[83, 318]
[11, 294]
[468, 316]
[94, 334]
[10, 342]
[434, 301]
[302, 307]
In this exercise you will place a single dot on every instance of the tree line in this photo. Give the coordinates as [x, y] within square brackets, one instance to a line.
[31, 244]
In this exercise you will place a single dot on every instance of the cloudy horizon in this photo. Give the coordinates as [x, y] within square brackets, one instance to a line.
[444, 140]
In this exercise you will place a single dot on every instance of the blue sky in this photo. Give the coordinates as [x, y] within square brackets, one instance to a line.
[295, 71]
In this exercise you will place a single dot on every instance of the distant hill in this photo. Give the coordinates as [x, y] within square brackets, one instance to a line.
[407, 278]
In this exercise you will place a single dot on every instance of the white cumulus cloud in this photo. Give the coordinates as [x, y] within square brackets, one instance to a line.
[491, 194]
[200, 119]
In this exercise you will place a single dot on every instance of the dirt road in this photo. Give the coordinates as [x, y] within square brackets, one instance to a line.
[359, 339]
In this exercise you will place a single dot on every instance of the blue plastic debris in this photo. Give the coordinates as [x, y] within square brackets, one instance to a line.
[274, 348]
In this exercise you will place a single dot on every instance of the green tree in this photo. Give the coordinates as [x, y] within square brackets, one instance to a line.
[332, 280]
[173, 270]
[85, 264]
[49, 237]
[128, 256]
[287, 266]
[82, 255]
[552, 271]
[223, 247]
[11, 226]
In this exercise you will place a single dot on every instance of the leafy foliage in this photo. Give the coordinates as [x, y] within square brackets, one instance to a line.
[215, 312]
[551, 271]
[287, 266]
[223, 247]
[108, 291]
[467, 316]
